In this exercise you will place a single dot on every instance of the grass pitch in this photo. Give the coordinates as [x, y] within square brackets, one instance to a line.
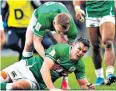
[6, 61]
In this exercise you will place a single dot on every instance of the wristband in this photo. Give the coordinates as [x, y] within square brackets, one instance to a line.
[77, 8]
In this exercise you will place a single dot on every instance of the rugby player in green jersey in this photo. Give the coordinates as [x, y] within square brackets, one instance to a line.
[50, 19]
[34, 73]
[100, 22]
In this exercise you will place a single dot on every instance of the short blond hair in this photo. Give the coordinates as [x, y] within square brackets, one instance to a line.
[63, 19]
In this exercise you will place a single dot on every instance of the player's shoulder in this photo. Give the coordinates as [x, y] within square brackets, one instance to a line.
[62, 47]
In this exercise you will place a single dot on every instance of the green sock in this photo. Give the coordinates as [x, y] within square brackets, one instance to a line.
[3, 86]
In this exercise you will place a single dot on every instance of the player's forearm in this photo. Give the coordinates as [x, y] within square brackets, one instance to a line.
[45, 72]
[38, 46]
[76, 3]
[85, 85]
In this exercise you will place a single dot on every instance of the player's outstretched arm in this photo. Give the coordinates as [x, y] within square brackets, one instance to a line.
[85, 85]
[45, 72]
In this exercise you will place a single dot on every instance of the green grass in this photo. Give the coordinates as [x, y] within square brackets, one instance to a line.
[6, 61]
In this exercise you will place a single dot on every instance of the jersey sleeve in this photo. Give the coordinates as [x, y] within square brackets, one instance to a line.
[41, 24]
[80, 70]
[72, 33]
[32, 22]
[52, 53]
[38, 30]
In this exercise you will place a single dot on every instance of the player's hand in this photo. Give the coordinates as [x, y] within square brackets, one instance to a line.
[88, 87]
[80, 14]
[56, 89]
[60, 38]
[91, 86]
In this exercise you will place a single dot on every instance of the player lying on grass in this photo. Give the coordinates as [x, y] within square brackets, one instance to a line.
[34, 73]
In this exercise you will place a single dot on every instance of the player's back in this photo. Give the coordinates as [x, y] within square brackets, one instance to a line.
[51, 7]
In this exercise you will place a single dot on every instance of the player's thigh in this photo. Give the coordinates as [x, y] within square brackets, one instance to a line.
[94, 35]
[92, 25]
[107, 28]
[22, 37]
[107, 31]
[13, 70]
[12, 37]
[24, 84]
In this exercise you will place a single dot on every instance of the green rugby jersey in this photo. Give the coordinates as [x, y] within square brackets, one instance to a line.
[59, 53]
[45, 15]
[99, 8]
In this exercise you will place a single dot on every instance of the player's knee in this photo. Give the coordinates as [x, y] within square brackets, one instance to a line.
[108, 44]
[21, 85]
[4, 76]
[96, 48]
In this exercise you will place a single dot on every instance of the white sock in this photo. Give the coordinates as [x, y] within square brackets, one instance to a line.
[109, 70]
[99, 73]
[9, 86]
[27, 54]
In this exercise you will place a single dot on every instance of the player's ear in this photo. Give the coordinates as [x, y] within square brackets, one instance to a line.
[73, 43]
[54, 22]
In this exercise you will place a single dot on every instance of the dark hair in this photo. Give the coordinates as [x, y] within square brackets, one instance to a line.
[85, 41]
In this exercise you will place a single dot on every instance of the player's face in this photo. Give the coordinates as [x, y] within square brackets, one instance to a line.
[78, 50]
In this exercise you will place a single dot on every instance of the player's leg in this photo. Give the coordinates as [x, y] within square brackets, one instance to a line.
[65, 84]
[21, 84]
[20, 76]
[24, 84]
[107, 30]
[94, 36]
[4, 79]
[28, 48]
[12, 40]
[22, 34]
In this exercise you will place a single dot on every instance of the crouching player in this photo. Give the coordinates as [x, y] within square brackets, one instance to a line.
[34, 73]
